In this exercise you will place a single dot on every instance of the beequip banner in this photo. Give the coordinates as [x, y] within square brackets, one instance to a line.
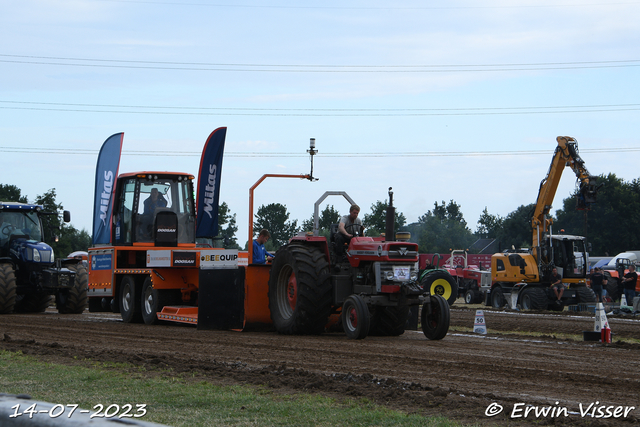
[106, 174]
[209, 184]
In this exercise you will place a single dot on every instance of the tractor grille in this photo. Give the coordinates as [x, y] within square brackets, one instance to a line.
[403, 252]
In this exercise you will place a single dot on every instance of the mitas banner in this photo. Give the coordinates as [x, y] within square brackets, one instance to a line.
[209, 184]
[106, 175]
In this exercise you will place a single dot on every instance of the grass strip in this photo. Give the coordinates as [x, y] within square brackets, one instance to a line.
[177, 402]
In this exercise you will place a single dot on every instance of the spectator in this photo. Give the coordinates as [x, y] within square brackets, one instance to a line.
[629, 283]
[260, 254]
[598, 280]
[556, 284]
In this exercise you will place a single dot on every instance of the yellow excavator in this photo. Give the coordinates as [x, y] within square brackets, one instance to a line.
[522, 277]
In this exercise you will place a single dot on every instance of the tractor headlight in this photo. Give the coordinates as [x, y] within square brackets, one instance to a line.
[414, 275]
[389, 275]
[53, 258]
[36, 255]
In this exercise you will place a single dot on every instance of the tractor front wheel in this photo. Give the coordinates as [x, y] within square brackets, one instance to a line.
[435, 322]
[300, 290]
[356, 319]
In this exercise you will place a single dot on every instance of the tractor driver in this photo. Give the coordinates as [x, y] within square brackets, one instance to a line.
[349, 226]
[155, 200]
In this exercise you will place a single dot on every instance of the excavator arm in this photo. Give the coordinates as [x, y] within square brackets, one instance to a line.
[566, 155]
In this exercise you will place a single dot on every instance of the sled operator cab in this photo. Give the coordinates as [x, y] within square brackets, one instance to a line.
[154, 208]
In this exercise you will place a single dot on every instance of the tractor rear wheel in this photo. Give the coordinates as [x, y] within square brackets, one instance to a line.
[129, 301]
[356, 319]
[300, 290]
[74, 301]
[7, 288]
[388, 321]
[435, 325]
[440, 282]
[534, 298]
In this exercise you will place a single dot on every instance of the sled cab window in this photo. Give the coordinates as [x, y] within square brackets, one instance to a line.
[499, 265]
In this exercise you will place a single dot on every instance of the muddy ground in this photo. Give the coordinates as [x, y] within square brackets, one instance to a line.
[461, 377]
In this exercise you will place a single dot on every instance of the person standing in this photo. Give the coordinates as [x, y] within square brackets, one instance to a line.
[629, 283]
[598, 280]
[260, 254]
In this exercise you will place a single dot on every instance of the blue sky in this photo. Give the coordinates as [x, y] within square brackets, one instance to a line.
[442, 101]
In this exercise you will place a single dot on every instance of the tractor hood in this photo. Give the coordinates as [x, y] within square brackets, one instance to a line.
[368, 249]
[25, 250]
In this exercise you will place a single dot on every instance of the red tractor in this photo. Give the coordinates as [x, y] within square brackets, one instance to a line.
[374, 289]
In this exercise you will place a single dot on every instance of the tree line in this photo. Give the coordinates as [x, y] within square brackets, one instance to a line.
[611, 226]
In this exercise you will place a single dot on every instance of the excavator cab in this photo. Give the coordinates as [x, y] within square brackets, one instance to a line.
[154, 208]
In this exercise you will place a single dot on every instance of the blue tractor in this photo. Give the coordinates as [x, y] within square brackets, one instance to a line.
[30, 275]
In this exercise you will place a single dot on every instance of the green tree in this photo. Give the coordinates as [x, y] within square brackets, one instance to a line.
[227, 227]
[442, 229]
[11, 193]
[329, 215]
[489, 225]
[63, 238]
[275, 218]
[375, 222]
[516, 228]
[613, 223]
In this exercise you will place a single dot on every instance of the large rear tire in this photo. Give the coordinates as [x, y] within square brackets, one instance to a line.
[534, 298]
[435, 325]
[356, 319]
[74, 301]
[300, 290]
[388, 321]
[7, 288]
[129, 301]
[440, 282]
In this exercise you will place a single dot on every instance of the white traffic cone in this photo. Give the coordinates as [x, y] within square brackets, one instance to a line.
[623, 300]
[479, 326]
[601, 318]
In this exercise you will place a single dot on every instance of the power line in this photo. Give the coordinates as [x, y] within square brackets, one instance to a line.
[247, 6]
[312, 68]
[246, 154]
[309, 112]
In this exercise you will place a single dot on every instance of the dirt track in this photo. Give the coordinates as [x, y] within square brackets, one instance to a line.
[458, 377]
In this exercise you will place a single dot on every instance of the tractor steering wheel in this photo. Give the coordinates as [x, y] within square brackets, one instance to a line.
[7, 229]
[356, 230]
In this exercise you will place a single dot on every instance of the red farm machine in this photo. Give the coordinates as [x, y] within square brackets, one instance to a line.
[146, 264]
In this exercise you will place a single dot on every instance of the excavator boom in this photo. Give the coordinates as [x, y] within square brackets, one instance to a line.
[566, 155]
